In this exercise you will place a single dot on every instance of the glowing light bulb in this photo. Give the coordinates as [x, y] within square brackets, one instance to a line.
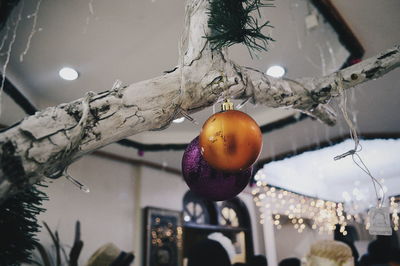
[68, 73]
[276, 71]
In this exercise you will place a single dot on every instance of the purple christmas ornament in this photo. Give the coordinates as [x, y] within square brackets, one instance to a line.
[207, 182]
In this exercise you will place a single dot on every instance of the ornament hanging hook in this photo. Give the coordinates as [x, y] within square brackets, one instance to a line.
[227, 105]
[65, 173]
[243, 103]
[188, 117]
[78, 184]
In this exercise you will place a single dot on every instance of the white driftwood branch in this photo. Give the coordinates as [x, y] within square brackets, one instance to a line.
[44, 144]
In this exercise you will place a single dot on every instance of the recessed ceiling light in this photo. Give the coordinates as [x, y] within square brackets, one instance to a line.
[68, 73]
[179, 120]
[276, 71]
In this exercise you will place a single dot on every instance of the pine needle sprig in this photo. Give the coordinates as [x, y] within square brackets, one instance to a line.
[233, 21]
[18, 225]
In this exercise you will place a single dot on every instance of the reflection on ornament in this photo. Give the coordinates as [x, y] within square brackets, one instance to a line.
[208, 182]
[230, 141]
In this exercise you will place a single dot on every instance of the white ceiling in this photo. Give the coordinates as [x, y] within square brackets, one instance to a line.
[136, 40]
[133, 40]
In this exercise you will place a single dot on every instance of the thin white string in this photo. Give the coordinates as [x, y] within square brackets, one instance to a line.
[5, 36]
[374, 180]
[33, 31]
[8, 54]
[181, 64]
[357, 146]
[181, 51]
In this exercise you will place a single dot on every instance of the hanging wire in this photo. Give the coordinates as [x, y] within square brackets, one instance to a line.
[8, 53]
[357, 146]
[33, 30]
[181, 64]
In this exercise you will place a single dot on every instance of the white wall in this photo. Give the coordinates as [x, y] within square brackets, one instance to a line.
[162, 189]
[158, 189]
[106, 213]
[257, 230]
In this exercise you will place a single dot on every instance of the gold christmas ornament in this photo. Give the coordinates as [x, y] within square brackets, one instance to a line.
[230, 140]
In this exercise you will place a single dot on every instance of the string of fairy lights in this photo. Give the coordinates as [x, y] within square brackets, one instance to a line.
[164, 233]
[285, 207]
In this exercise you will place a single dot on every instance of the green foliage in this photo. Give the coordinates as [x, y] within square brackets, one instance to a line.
[18, 225]
[71, 259]
[233, 21]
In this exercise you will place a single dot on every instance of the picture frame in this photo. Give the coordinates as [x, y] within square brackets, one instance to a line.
[162, 237]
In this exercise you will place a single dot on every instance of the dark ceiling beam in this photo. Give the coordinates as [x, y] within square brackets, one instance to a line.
[344, 32]
[316, 146]
[19, 98]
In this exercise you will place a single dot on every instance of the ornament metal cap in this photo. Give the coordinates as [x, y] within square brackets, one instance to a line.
[227, 105]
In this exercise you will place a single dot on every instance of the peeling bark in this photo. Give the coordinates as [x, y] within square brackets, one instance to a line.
[46, 143]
